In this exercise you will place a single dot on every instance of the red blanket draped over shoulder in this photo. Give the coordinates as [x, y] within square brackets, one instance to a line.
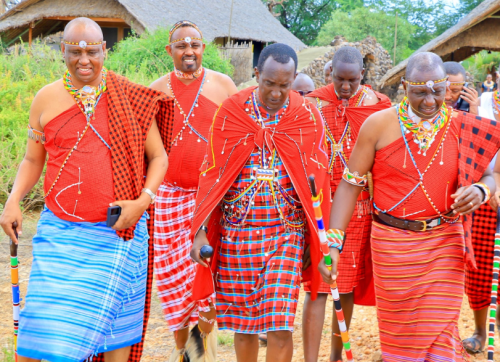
[479, 141]
[356, 115]
[299, 139]
[131, 111]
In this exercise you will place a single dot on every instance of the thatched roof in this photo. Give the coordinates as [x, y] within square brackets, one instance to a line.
[251, 20]
[477, 31]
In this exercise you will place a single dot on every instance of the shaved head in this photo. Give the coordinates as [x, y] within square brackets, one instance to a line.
[348, 55]
[303, 83]
[425, 62]
[82, 25]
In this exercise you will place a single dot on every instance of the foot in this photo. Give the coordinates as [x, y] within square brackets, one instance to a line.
[263, 338]
[473, 344]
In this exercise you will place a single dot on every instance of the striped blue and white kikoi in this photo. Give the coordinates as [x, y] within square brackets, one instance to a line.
[86, 290]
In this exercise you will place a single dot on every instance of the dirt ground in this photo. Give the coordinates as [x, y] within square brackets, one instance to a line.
[159, 342]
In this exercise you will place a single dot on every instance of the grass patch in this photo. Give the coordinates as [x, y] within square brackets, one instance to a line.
[225, 339]
[7, 351]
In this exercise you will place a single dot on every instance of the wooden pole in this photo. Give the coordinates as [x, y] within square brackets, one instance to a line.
[395, 39]
[230, 21]
[30, 36]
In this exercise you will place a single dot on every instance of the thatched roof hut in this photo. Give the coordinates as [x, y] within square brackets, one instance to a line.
[477, 31]
[250, 19]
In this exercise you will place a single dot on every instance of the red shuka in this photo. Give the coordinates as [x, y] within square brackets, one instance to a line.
[187, 152]
[299, 139]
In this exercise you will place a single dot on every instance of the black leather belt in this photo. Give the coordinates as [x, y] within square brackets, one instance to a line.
[413, 225]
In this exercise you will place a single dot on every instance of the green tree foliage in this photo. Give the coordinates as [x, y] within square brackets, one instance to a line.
[143, 59]
[355, 27]
[481, 64]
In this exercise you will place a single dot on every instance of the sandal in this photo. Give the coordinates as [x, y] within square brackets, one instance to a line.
[472, 345]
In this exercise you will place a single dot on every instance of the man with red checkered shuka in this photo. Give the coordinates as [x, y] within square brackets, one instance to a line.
[197, 93]
[254, 207]
[88, 290]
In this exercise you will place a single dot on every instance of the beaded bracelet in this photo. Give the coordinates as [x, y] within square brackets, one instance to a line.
[486, 191]
[335, 238]
[354, 178]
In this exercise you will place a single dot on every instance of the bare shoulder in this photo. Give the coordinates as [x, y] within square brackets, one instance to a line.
[224, 80]
[161, 84]
[371, 98]
[49, 91]
[50, 101]
[376, 123]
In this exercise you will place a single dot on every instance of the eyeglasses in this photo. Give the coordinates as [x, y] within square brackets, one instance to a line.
[304, 93]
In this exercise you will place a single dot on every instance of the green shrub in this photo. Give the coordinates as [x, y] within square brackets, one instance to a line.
[144, 59]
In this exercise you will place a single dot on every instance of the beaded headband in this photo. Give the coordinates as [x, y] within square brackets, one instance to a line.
[186, 39]
[429, 84]
[448, 83]
[82, 43]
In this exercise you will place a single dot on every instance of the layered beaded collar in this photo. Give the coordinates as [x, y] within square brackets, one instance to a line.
[181, 75]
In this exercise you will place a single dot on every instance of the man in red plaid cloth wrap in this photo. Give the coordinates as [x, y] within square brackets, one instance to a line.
[197, 92]
[425, 189]
[90, 284]
[345, 104]
[254, 206]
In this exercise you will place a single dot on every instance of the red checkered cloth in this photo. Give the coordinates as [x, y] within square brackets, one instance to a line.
[174, 268]
[352, 260]
[478, 282]
[257, 279]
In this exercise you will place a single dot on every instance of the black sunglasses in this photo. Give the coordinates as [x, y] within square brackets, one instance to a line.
[304, 93]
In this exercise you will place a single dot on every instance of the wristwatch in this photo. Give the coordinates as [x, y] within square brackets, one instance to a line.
[150, 193]
[204, 228]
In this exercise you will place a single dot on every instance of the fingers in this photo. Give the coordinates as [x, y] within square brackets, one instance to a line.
[468, 201]
[325, 272]
[198, 243]
[458, 193]
[334, 254]
[494, 203]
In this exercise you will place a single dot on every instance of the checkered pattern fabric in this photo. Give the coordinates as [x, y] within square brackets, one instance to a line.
[165, 124]
[174, 268]
[258, 278]
[478, 282]
[478, 144]
[131, 111]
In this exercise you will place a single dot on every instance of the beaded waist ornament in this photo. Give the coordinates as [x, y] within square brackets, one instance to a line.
[424, 132]
[496, 102]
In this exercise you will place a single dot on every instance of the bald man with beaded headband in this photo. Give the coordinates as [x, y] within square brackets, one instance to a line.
[197, 93]
[425, 188]
[88, 282]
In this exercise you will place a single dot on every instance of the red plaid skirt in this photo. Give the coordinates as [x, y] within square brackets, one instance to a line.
[478, 282]
[351, 267]
[174, 268]
[258, 278]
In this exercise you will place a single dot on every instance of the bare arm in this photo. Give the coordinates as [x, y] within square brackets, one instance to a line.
[495, 198]
[132, 210]
[344, 201]
[29, 173]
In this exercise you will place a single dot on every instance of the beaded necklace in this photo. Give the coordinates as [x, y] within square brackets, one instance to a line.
[87, 99]
[424, 132]
[337, 147]
[181, 75]
[496, 102]
[190, 114]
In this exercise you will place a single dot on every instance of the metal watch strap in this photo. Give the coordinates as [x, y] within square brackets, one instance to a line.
[150, 193]
[204, 228]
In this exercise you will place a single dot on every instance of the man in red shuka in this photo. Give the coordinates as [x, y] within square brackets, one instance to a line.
[197, 93]
[345, 104]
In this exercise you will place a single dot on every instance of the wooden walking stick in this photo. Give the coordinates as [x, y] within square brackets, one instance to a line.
[14, 277]
[494, 292]
[344, 334]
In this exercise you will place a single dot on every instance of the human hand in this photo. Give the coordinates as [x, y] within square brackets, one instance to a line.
[471, 96]
[494, 201]
[330, 275]
[10, 215]
[467, 200]
[200, 240]
[132, 210]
